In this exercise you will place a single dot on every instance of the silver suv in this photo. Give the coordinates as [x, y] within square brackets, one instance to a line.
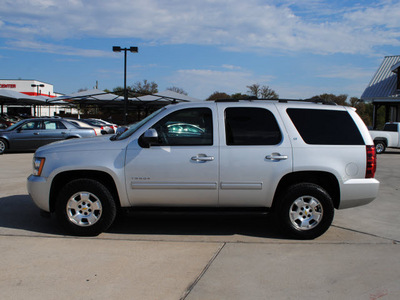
[299, 160]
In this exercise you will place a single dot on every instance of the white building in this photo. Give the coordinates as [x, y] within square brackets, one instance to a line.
[33, 88]
[29, 87]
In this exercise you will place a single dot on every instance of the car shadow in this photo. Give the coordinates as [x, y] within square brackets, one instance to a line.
[391, 151]
[20, 213]
[197, 224]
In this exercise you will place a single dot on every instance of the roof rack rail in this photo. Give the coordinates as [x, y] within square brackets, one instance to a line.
[228, 100]
[311, 100]
[320, 100]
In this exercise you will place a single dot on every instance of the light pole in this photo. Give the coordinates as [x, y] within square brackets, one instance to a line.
[133, 50]
[37, 86]
[37, 94]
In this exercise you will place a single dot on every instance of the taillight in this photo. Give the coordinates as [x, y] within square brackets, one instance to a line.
[371, 162]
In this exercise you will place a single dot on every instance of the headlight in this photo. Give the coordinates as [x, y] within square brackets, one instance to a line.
[38, 163]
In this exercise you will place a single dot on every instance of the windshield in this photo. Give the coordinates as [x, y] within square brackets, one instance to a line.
[134, 127]
[12, 127]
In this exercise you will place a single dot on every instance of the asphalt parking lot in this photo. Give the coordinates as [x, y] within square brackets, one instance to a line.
[157, 256]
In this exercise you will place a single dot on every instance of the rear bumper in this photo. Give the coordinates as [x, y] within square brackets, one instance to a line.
[357, 192]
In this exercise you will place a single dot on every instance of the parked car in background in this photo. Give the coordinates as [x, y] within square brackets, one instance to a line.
[389, 137]
[99, 130]
[30, 134]
[6, 121]
[115, 126]
[108, 127]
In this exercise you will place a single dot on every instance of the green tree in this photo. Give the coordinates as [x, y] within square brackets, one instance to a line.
[177, 90]
[262, 92]
[145, 87]
[340, 100]
[239, 96]
[119, 90]
[218, 96]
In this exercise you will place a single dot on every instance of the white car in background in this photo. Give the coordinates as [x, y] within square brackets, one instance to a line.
[98, 129]
[110, 128]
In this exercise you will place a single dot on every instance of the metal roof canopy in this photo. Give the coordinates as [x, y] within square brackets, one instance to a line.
[108, 99]
[10, 97]
[383, 84]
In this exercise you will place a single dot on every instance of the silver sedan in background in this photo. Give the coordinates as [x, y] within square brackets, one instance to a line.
[30, 134]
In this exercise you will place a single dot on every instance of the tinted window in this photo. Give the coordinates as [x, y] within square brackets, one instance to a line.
[52, 125]
[325, 127]
[390, 127]
[32, 125]
[251, 126]
[186, 127]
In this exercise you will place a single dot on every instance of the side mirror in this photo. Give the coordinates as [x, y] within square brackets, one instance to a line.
[149, 137]
[120, 130]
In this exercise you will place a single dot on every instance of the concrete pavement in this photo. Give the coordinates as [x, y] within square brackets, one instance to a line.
[157, 256]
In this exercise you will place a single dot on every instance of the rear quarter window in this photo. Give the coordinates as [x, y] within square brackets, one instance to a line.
[390, 127]
[325, 127]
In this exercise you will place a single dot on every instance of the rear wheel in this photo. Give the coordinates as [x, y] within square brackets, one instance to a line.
[380, 147]
[3, 146]
[305, 211]
[85, 207]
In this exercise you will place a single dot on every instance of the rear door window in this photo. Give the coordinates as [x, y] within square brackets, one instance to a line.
[325, 127]
[251, 126]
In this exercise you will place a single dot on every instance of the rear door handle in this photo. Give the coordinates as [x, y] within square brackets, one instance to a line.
[276, 156]
[202, 158]
[36, 133]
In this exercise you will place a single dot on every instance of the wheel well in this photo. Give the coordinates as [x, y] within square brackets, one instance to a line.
[324, 179]
[63, 178]
[5, 141]
[381, 140]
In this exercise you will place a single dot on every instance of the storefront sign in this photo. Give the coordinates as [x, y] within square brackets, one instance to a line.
[8, 86]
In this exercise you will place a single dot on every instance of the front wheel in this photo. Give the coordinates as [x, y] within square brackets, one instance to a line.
[3, 146]
[85, 207]
[305, 211]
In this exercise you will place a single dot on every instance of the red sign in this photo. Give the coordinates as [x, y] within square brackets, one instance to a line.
[8, 86]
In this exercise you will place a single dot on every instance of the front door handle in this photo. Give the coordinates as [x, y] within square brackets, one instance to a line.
[202, 158]
[276, 156]
[36, 133]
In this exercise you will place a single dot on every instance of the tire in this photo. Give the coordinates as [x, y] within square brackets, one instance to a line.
[3, 146]
[85, 207]
[380, 147]
[305, 211]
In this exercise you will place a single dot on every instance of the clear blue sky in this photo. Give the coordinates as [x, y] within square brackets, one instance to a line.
[299, 48]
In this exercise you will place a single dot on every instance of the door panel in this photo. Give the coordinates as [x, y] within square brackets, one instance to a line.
[27, 136]
[182, 168]
[255, 152]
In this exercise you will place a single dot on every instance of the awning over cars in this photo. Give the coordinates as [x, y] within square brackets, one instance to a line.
[101, 98]
[16, 98]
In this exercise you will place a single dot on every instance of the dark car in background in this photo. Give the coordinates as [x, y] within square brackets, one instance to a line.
[30, 134]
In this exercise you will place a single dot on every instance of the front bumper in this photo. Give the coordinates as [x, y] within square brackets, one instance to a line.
[39, 190]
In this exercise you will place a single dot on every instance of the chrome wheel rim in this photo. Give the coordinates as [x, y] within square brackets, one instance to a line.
[2, 146]
[379, 148]
[305, 213]
[84, 209]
